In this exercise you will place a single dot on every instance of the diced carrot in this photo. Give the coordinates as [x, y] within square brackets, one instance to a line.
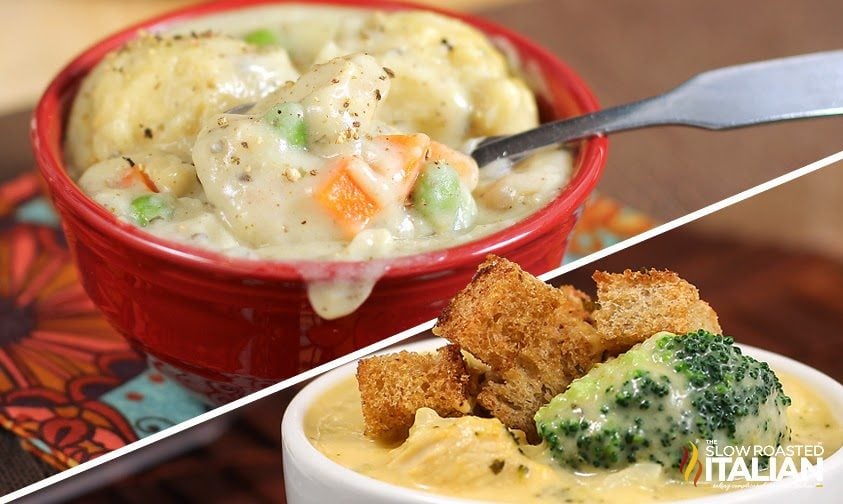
[133, 175]
[345, 199]
[464, 164]
[411, 150]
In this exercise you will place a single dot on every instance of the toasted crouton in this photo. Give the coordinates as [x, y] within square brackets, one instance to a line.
[634, 305]
[534, 337]
[478, 372]
[392, 387]
[514, 398]
[580, 303]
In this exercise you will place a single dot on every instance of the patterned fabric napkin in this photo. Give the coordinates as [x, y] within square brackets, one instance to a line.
[71, 388]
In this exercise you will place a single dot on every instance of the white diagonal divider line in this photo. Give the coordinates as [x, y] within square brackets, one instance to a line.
[695, 215]
[216, 412]
[392, 340]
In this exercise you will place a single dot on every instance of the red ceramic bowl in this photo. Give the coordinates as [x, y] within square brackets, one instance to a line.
[226, 327]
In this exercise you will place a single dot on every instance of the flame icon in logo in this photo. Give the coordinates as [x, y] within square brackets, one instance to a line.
[690, 459]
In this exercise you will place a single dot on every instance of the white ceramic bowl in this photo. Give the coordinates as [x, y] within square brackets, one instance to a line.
[312, 478]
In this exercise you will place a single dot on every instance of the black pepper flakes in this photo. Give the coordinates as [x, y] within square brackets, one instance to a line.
[447, 44]
[378, 94]
[147, 133]
[356, 124]
[129, 160]
[244, 177]
[389, 72]
[245, 145]
[497, 466]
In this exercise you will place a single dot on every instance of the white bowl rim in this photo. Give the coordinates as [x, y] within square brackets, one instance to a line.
[294, 439]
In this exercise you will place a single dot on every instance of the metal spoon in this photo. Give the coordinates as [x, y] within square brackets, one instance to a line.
[797, 87]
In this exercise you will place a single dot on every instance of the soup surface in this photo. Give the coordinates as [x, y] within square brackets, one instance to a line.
[301, 132]
[478, 458]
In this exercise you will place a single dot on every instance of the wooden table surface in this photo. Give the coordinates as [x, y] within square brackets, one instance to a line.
[626, 51]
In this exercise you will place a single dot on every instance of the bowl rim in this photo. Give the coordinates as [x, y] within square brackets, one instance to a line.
[294, 440]
[47, 129]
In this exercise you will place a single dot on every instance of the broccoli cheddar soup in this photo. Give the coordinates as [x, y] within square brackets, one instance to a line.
[478, 458]
[294, 132]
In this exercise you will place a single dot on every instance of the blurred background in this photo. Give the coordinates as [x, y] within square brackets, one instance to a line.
[772, 266]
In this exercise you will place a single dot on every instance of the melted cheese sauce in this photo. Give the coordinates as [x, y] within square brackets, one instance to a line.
[462, 457]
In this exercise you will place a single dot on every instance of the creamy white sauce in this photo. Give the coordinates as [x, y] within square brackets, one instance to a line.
[257, 194]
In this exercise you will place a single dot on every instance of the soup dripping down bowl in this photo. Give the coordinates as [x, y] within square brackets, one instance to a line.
[225, 326]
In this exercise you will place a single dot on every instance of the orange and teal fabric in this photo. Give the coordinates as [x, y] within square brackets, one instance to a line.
[70, 386]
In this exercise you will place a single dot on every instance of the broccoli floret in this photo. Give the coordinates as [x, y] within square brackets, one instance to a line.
[646, 404]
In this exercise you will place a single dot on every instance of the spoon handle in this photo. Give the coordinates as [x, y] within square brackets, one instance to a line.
[797, 87]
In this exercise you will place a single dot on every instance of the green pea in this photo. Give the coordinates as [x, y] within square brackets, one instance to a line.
[146, 208]
[288, 120]
[440, 197]
[261, 37]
